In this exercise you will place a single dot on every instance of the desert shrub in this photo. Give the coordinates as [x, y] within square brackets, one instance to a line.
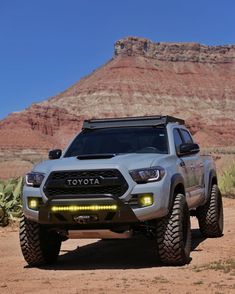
[227, 182]
[10, 200]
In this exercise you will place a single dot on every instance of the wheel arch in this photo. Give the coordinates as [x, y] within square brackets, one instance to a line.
[211, 181]
[177, 187]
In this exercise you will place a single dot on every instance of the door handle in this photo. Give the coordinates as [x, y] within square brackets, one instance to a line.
[182, 164]
[192, 166]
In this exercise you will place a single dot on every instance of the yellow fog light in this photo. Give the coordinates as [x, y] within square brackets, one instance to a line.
[145, 200]
[33, 203]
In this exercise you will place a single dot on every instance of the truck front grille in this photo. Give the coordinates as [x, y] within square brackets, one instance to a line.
[111, 182]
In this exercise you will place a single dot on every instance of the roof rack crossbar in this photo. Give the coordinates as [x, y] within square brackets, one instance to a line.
[130, 122]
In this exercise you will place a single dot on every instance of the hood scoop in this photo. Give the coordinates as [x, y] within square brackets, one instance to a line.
[95, 156]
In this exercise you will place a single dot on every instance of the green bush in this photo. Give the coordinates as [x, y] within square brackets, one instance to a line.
[227, 182]
[10, 200]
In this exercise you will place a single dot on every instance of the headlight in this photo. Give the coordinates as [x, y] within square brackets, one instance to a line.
[146, 175]
[34, 179]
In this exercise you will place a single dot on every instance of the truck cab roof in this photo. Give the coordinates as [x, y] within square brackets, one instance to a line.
[131, 122]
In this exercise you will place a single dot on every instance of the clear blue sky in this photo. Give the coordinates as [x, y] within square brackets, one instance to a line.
[47, 45]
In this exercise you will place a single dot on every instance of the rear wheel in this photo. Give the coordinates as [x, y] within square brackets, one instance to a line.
[210, 216]
[174, 234]
[39, 246]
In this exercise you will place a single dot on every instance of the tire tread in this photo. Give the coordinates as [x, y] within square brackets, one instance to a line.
[35, 246]
[170, 234]
[208, 215]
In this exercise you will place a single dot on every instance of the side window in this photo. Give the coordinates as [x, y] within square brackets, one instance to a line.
[186, 136]
[177, 138]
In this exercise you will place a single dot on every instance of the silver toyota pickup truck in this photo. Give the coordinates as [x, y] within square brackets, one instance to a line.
[120, 177]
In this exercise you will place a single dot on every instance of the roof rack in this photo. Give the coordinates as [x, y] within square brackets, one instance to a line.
[140, 121]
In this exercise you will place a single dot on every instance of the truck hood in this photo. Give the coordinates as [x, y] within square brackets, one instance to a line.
[127, 161]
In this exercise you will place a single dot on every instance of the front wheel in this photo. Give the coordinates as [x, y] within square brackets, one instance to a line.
[38, 245]
[210, 216]
[174, 234]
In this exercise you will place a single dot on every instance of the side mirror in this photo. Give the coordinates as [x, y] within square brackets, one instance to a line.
[188, 148]
[55, 154]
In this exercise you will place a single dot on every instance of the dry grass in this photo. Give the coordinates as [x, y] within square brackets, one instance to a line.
[226, 266]
[227, 182]
[218, 150]
[160, 279]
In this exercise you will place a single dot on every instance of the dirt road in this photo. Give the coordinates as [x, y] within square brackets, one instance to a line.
[125, 266]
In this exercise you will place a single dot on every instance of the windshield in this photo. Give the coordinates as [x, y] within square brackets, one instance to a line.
[120, 140]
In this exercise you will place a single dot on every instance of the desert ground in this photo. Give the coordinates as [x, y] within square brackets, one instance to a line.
[123, 266]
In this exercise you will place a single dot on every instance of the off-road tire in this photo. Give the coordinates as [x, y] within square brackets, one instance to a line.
[38, 245]
[174, 234]
[210, 215]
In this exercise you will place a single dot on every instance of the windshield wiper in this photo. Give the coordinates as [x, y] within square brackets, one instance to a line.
[96, 156]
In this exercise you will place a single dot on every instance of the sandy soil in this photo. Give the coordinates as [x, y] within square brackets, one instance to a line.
[124, 266]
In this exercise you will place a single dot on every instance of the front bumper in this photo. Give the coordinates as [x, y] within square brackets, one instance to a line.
[102, 218]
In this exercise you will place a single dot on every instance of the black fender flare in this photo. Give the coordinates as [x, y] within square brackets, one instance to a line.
[176, 179]
[212, 175]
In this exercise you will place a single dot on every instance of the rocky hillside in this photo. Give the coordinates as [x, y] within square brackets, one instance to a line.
[189, 80]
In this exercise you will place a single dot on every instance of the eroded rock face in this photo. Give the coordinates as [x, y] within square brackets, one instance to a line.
[48, 120]
[193, 52]
[188, 80]
[38, 127]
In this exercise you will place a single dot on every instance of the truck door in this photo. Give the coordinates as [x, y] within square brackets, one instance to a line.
[184, 164]
[196, 163]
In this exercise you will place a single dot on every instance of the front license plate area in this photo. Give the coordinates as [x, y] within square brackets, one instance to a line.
[85, 219]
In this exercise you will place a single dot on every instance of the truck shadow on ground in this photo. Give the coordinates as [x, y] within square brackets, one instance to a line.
[138, 252]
